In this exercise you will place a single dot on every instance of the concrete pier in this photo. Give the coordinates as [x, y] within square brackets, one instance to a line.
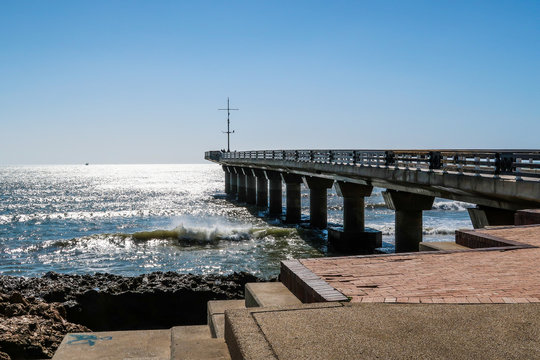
[227, 179]
[318, 207]
[251, 190]
[354, 237]
[482, 216]
[262, 188]
[294, 206]
[276, 192]
[241, 185]
[234, 181]
[408, 208]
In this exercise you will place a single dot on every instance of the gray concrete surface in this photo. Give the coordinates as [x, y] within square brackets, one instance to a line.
[143, 344]
[269, 294]
[387, 331]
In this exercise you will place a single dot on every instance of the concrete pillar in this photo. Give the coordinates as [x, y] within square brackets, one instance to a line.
[227, 179]
[234, 181]
[354, 237]
[241, 185]
[262, 188]
[353, 205]
[408, 207]
[483, 216]
[294, 204]
[318, 205]
[274, 177]
[251, 190]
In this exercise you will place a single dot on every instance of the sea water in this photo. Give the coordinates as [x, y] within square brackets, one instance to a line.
[133, 219]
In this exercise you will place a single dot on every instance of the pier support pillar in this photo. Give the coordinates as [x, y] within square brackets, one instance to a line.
[408, 208]
[227, 180]
[251, 191]
[483, 216]
[276, 192]
[318, 190]
[354, 237]
[294, 205]
[241, 185]
[262, 188]
[233, 189]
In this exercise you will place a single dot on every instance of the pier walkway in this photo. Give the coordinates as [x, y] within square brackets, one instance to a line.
[499, 182]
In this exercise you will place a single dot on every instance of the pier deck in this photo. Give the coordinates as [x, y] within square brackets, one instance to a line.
[507, 273]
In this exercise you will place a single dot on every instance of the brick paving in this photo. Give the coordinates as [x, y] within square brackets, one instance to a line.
[459, 277]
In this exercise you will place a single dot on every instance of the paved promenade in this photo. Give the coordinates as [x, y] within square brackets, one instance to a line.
[509, 275]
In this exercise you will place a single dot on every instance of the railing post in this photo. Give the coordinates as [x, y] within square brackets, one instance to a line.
[518, 170]
[477, 166]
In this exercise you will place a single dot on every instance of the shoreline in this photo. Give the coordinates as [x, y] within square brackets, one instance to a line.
[36, 312]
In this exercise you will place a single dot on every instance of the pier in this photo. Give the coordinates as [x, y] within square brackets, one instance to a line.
[498, 182]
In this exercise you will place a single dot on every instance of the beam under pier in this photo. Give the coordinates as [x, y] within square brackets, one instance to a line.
[251, 191]
[294, 206]
[318, 205]
[408, 208]
[241, 184]
[354, 237]
[234, 181]
[276, 192]
[262, 188]
[227, 179]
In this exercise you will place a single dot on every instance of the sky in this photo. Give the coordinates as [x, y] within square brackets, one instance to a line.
[142, 81]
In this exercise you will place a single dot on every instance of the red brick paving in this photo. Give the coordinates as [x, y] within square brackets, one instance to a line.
[474, 276]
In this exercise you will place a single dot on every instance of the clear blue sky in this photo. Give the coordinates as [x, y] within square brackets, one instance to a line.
[141, 81]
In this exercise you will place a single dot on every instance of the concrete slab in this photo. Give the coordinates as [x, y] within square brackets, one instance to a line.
[269, 294]
[245, 339]
[143, 344]
[441, 246]
[389, 331]
[195, 343]
[216, 318]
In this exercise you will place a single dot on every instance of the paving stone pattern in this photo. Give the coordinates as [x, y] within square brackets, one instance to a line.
[473, 276]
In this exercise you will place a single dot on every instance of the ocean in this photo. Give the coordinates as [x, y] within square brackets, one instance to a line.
[134, 219]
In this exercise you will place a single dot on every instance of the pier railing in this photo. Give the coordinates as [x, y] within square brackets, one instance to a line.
[520, 163]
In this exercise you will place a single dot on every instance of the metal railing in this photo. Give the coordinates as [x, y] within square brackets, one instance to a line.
[518, 163]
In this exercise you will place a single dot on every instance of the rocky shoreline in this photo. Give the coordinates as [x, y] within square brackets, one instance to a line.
[35, 313]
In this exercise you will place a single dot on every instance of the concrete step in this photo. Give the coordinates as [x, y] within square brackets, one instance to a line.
[196, 343]
[216, 315]
[441, 246]
[139, 344]
[269, 294]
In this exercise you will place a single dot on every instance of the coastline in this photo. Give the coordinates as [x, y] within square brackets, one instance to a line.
[37, 312]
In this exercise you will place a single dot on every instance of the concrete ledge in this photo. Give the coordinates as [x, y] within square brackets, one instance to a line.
[216, 315]
[307, 286]
[477, 239]
[141, 344]
[527, 217]
[441, 246]
[264, 294]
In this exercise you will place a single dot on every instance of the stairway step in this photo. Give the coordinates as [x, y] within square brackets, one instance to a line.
[195, 343]
[216, 315]
[441, 246]
[139, 344]
[269, 294]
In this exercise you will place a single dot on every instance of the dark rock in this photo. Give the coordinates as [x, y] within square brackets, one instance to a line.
[32, 329]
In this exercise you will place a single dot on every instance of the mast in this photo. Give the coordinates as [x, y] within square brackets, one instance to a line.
[228, 132]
